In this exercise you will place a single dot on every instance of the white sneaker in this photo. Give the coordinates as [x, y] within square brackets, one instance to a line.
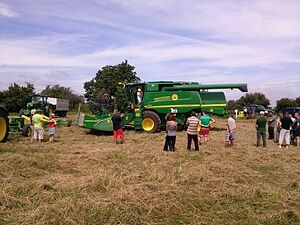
[279, 146]
[287, 146]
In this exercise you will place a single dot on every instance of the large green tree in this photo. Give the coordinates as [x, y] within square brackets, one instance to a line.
[285, 102]
[254, 98]
[57, 91]
[16, 97]
[232, 105]
[109, 81]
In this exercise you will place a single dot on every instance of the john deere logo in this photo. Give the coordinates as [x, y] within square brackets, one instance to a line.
[174, 97]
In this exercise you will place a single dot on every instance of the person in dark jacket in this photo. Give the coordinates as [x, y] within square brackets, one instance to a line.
[117, 126]
[271, 124]
[285, 134]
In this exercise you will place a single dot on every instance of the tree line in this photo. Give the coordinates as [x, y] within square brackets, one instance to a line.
[16, 96]
[260, 99]
[104, 91]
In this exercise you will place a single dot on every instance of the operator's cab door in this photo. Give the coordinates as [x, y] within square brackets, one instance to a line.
[135, 93]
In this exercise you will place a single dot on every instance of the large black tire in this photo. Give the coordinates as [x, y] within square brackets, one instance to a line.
[69, 123]
[62, 113]
[151, 122]
[50, 110]
[27, 131]
[4, 124]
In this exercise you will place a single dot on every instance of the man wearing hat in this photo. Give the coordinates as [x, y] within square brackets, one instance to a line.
[261, 129]
[117, 126]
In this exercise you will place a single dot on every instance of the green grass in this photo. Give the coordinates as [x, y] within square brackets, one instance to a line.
[266, 169]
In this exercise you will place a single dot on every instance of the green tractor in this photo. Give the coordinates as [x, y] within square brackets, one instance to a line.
[48, 105]
[158, 98]
[4, 124]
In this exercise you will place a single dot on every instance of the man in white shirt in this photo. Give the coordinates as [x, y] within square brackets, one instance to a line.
[139, 96]
[230, 125]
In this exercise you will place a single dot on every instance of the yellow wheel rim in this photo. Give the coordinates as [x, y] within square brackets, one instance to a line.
[3, 128]
[148, 124]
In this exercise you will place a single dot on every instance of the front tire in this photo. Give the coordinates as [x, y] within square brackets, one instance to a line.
[50, 110]
[151, 122]
[69, 123]
[62, 114]
[4, 125]
[27, 131]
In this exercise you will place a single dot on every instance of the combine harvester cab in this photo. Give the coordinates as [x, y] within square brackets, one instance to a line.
[158, 98]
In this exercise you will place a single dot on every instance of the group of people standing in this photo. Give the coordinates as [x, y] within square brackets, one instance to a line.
[38, 121]
[283, 129]
[197, 129]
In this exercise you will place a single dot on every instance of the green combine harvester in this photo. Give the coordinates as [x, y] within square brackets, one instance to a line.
[158, 99]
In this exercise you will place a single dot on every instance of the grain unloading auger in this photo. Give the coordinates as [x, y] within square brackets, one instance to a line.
[159, 97]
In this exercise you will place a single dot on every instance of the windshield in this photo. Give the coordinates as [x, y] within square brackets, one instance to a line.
[260, 107]
[129, 93]
[37, 99]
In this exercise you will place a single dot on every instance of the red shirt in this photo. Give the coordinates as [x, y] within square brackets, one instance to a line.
[51, 124]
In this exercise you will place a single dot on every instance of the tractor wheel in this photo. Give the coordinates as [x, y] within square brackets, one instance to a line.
[151, 122]
[27, 131]
[62, 114]
[50, 110]
[4, 125]
[69, 123]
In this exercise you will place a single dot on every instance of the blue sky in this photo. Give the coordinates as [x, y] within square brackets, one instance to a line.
[67, 42]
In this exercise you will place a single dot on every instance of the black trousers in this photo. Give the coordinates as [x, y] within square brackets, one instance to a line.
[195, 139]
[271, 132]
[170, 143]
[263, 135]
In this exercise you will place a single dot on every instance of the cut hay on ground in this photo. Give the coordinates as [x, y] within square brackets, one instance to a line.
[87, 179]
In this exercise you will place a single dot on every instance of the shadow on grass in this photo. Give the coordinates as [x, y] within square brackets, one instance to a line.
[217, 129]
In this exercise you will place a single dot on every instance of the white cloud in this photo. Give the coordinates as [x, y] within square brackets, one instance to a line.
[46, 51]
[6, 11]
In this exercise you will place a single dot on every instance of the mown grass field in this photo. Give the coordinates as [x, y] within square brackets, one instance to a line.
[87, 179]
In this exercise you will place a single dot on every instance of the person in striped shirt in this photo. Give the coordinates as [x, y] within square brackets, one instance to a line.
[192, 132]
